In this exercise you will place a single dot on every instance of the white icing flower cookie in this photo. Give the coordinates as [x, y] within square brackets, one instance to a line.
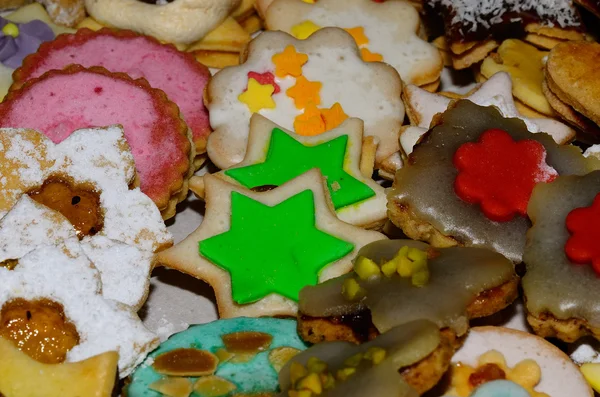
[275, 156]
[86, 178]
[308, 86]
[386, 32]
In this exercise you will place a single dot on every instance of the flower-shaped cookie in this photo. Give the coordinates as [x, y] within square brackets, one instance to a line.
[259, 249]
[387, 29]
[561, 287]
[321, 81]
[447, 212]
[87, 179]
[276, 156]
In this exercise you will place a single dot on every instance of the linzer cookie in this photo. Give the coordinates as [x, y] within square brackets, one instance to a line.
[23, 376]
[174, 72]
[308, 86]
[406, 361]
[276, 156]
[484, 167]
[259, 249]
[562, 258]
[85, 178]
[496, 361]
[61, 101]
[473, 29]
[238, 356]
[386, 32]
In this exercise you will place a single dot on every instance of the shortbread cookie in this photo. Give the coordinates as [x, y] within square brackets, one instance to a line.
[23, 376]
[386, 32]
[174, 72]
[86, 178]
[422, 107]
[562, 260]
[484, 167]
[258, 249]
[308, 86]
[177, 21]
[276, 156]
[397, 281]
[241, 355]
[61, 101]
[52, 309]
[406, 361]
[499, 360]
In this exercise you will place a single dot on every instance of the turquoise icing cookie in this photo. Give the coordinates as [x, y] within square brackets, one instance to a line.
[500, 388]
[255, 376]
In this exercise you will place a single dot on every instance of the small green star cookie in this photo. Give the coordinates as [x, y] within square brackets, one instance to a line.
[259, 249]
[275, 156]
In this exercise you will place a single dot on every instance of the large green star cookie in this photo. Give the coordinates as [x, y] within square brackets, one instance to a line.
[259, 249]
[273, 249]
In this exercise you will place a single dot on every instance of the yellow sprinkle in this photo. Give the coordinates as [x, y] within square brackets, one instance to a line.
[375, 354]
[420, 278]
[526, 373]
[405, 267]
[389, 268]
[311, 382]
[416, 254]
[345, 373]
[10, 29]
[328, 381]
[300, 393]
[297, 371]
[316, 365]
[354, 361]
[351, 290]
[304, 29]
[366, 268]
[419, 265]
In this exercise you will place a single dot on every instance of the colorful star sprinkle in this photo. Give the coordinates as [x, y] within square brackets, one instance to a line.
[358, 34]
[310, 122]
[289, 62]
[264, 79]
[304, 29]
[258, 96]
[369, 56]
[334, 116]
[305, 92]
[584, 225]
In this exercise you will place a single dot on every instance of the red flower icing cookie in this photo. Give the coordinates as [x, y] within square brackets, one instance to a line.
[584, 225]
[163, 66]
[61, 101]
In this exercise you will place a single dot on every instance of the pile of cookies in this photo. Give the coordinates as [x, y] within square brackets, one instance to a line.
[369, 227]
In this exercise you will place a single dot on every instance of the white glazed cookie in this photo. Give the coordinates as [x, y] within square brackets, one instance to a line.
[63, 275]
[385, 31]
[275, 156]
[128, 229]
[258, 249]
[422, 106]
[181, 21]
[308, 86]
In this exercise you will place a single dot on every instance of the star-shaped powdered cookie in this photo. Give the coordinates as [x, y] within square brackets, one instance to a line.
[422, 106]
[275, 156]
[258, 249]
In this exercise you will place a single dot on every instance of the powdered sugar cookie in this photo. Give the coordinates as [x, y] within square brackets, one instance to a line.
[276, 156]
[175, 21]
[86, 178]
[258, 250]
[422, 106]
[308, 86]
[53, 310]
[386, 32]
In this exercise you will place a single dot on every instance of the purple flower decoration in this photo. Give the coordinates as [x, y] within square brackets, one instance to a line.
[17, 40]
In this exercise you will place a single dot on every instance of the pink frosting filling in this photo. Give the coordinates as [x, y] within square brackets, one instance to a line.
[59, 105]
[164, 68]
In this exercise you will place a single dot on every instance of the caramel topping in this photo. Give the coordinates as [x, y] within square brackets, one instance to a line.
[186, 362]
[486, 373]
[213, 386]
[80, 206]
[39, 328]
[247, 342]
[9, 264]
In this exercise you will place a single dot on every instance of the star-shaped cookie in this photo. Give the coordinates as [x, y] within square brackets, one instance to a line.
[375, 27]
[422, 106]
[322, 80]
[258, 249]
[275, 156]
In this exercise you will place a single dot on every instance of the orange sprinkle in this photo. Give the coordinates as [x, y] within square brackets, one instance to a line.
[289, 62]
[358, 34]
[310, 122]
[369, 56]
[305, 92]
[333, 116]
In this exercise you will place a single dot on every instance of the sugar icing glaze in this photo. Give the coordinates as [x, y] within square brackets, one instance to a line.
[176, 73]
[255, 376]
[369, 91]
[63, 101]
[397, 42]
